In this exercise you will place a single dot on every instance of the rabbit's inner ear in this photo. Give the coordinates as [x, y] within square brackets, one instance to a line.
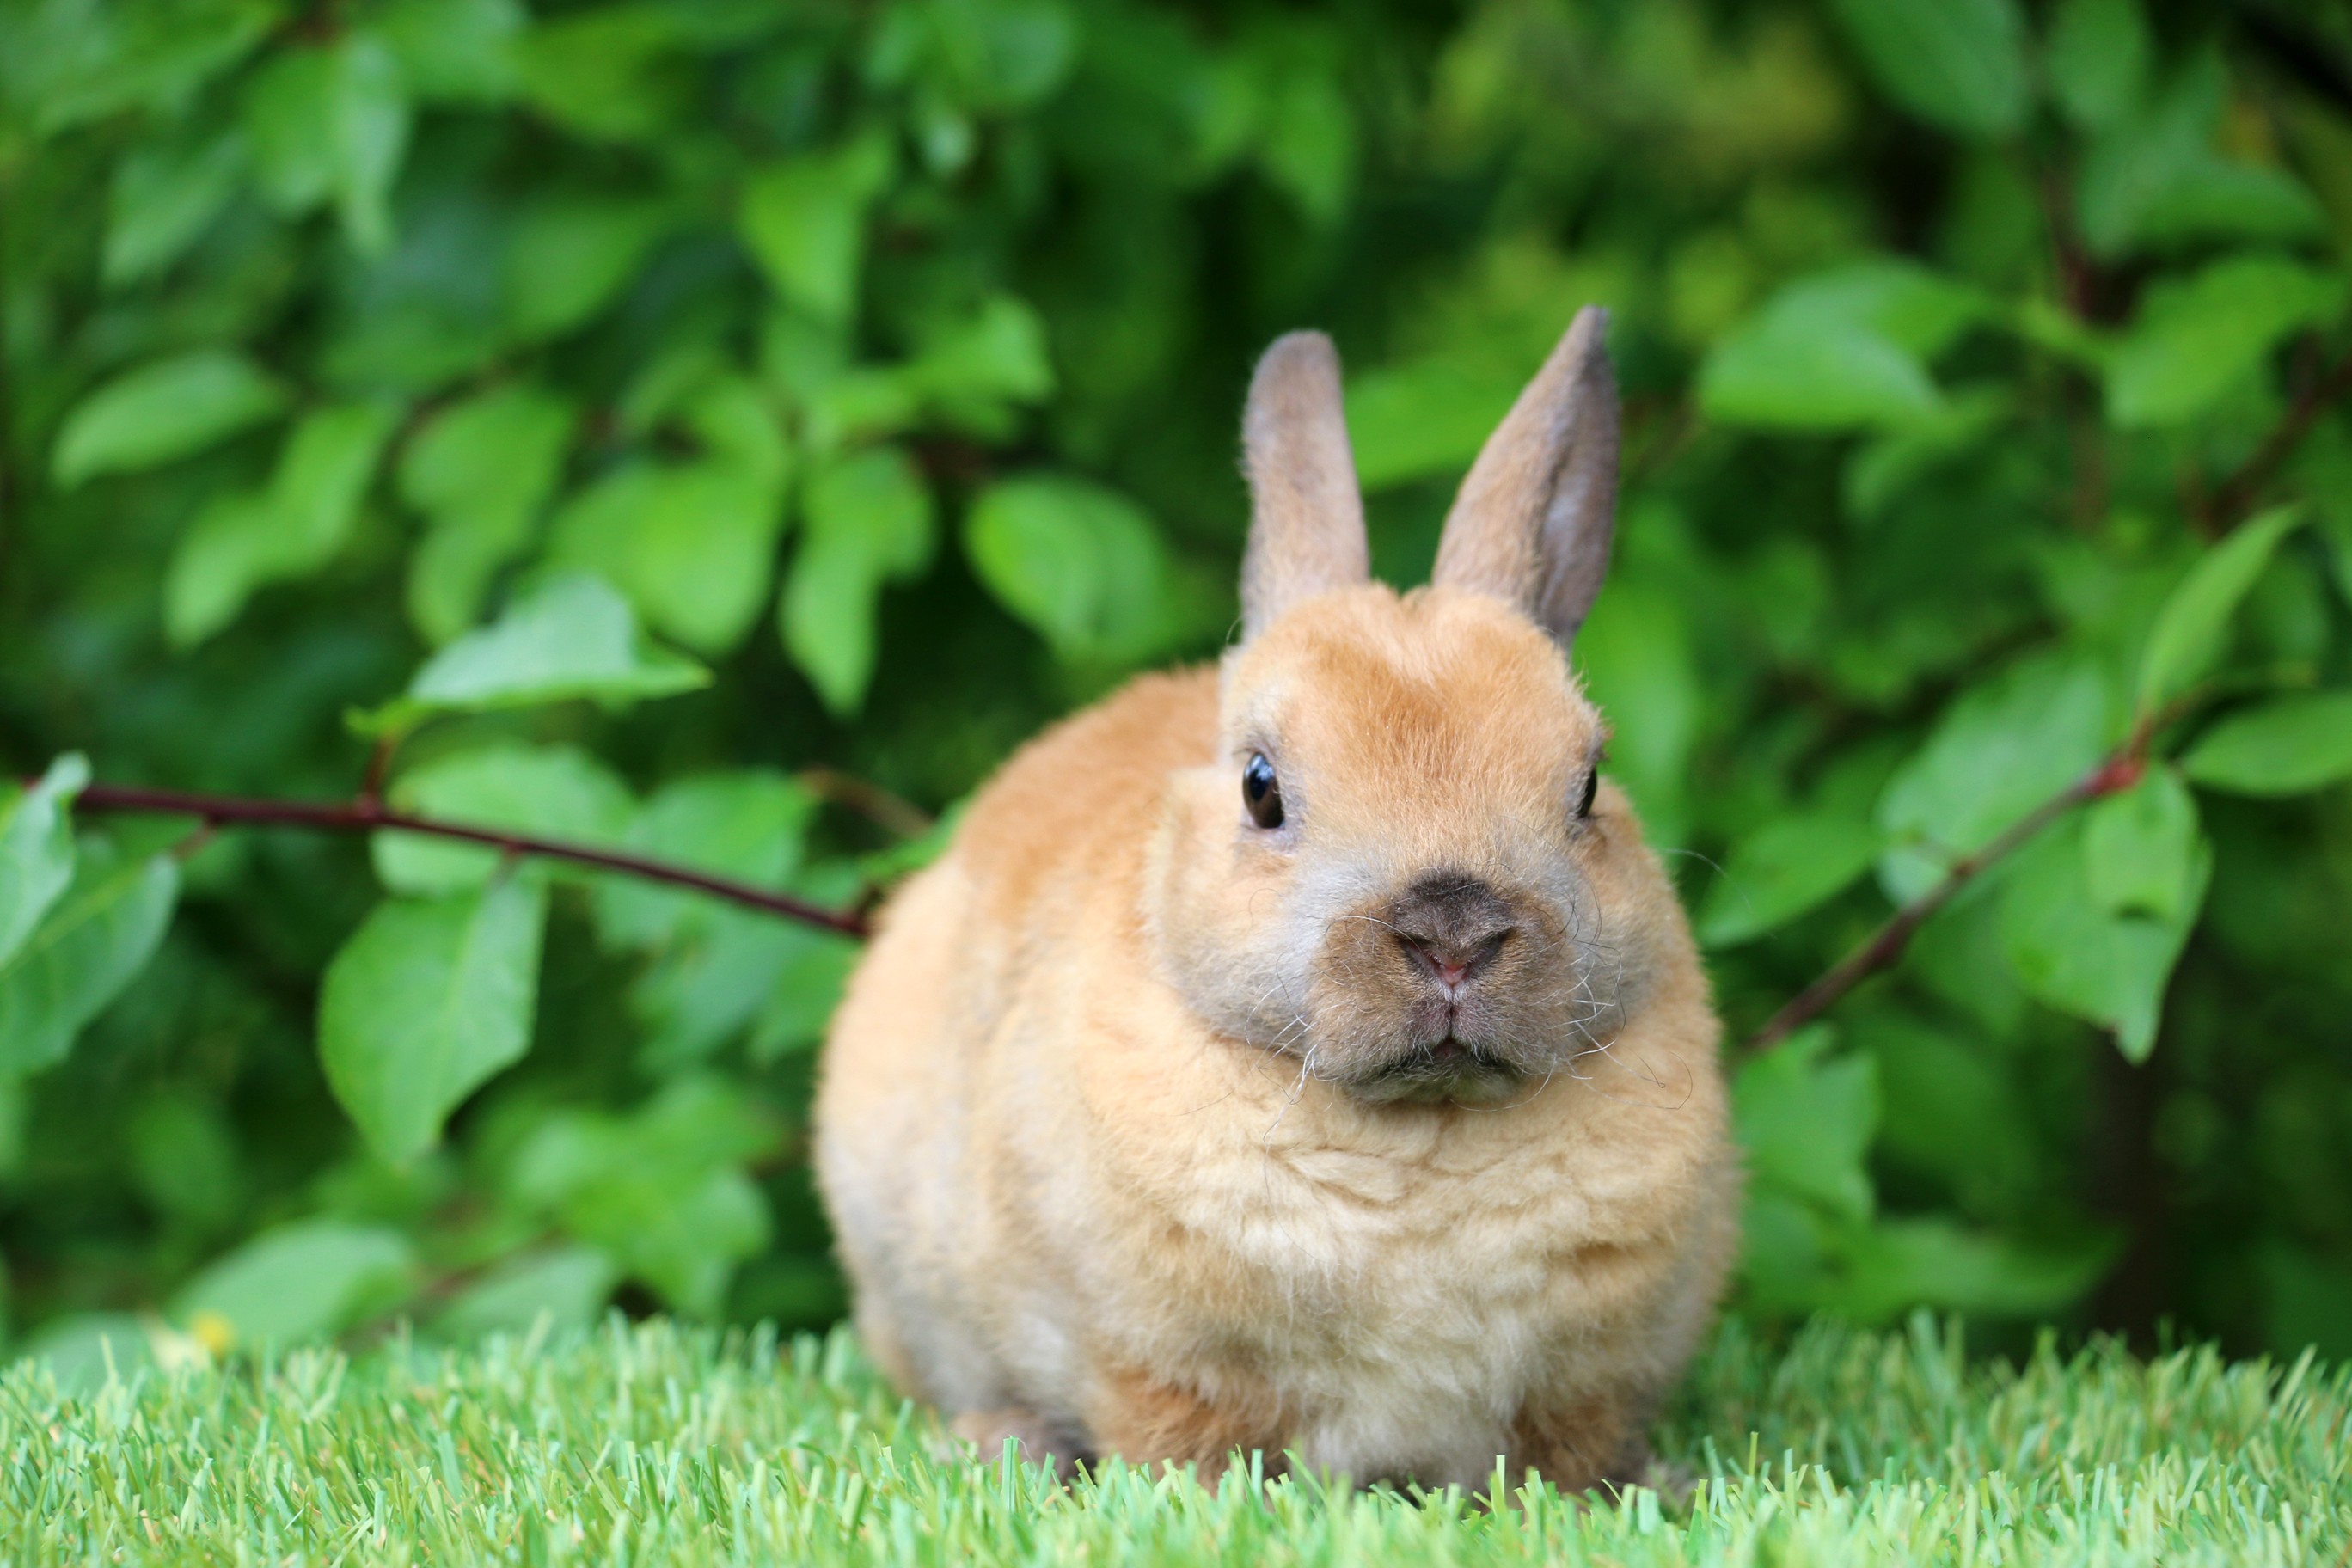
[1532, 521]
[1307, 516]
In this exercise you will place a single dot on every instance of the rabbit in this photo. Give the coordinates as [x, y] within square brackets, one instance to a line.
[1305, 1055]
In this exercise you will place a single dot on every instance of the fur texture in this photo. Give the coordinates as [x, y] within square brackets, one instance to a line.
[1393, 1134]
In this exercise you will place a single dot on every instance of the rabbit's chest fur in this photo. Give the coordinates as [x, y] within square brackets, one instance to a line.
[1401, 1284]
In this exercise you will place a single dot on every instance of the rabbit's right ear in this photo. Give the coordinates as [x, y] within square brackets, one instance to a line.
[1307, 516]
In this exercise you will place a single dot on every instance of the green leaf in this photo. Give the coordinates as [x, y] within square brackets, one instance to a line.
[708, 987]
[1414, 421]
[1841, 349]
[1079, 562]
[972, 366]
[163, 200]
[1958, 64]
[808, 986]
[571, 257]
[868, 521]
[36, 849]
[99, 934]
[546, 791]
[66, 63]
[166, 408]
[2192, 630]
[480, 471]
[1805, 1120]
[2283, 746]
[331, 122]
[301, 1281]
[2075, 955]
[1998, 751]
[1790, 865]
[1003, 54]
[607, 74]
[571, 636]
[2141, 847]
[428, 1001]
[658, 1190]
[1897, 1265]
[804, 220]
[2195, 339]
[461, 50]
[242, 542]
[2098, 60]
[85, 1350]
[2154, 178]
[559, 1289]
[1638, 654]
[747, 826]
[692, 544]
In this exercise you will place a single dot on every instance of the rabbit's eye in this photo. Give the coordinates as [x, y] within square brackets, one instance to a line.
[1261, 793]
[1591, 788]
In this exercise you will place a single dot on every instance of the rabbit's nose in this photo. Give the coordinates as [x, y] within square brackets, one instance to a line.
[1450, 925]
[1451, 966]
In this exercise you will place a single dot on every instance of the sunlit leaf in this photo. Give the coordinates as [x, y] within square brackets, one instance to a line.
[868, 521]
[803, 221]
[1998, 751]
[2075, 955]
[745, 825]
[2141, 847]
[301, 1281]
[37, 848]
[95, 938]
[2192, 630]
[164, 409]
[1791, 865]
[428, 1001]
[547, 792]
[480, 471]
[1958, 64]
[2098, 59]
[2283, 746]
[243, 541]
[2194, 340]
[570, 636]
[1805, 1121]
[570, 257]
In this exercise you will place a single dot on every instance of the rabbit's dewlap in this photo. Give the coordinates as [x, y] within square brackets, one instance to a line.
[1306, 1054]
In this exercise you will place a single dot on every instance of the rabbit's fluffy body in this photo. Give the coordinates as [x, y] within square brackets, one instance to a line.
[1151, 1130]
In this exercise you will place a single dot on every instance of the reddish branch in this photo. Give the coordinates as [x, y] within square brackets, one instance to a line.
[2235, 495]
[2116, 774]
[369, 814]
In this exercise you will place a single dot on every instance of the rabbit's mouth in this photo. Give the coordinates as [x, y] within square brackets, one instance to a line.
[1449, 1070]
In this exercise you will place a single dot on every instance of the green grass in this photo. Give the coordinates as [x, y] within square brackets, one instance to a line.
[656, 1444]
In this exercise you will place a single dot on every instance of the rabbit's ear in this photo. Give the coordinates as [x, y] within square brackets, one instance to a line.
[1532, 519]
[1307, 516]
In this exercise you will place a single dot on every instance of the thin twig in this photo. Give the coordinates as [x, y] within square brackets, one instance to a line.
[869, 799]
[2117, 773]
[2235, 495]
[372, 816]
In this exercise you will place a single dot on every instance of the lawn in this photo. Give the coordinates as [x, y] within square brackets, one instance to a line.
[660, 1444]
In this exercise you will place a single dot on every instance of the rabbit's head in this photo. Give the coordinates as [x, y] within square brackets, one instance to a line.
[1401, 866]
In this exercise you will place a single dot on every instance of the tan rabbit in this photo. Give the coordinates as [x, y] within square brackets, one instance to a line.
[1307, 1054]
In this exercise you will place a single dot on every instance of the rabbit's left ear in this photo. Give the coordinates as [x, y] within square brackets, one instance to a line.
[1532, 519]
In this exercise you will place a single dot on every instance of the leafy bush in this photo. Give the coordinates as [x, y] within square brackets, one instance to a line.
[696, 429]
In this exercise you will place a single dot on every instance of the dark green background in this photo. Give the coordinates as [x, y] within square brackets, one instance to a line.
[887, 359]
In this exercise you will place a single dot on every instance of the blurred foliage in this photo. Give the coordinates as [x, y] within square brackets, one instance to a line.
[706, 426]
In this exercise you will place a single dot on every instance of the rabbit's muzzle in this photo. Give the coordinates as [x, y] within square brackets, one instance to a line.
[1453, 990]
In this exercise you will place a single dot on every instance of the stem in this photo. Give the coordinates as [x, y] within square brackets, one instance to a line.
[2235, 495]
[869, 800]
[2118, 772]
[369, 816]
